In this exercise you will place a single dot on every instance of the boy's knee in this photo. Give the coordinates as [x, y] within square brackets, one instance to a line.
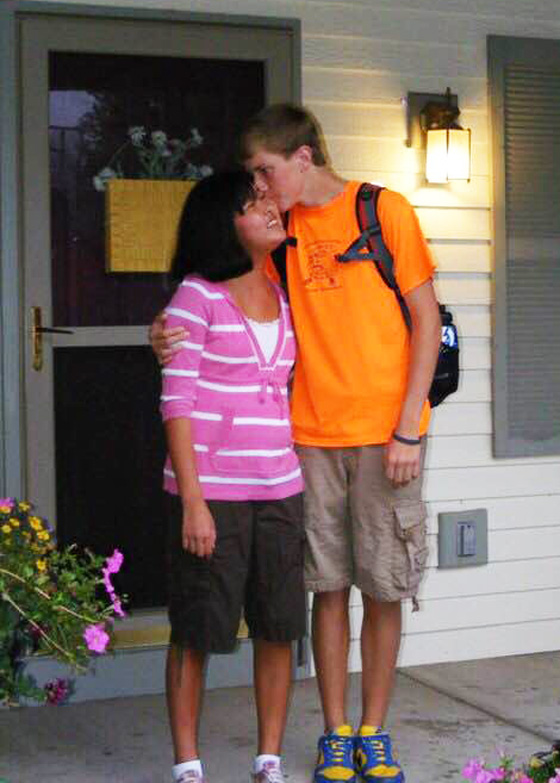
[332, 601]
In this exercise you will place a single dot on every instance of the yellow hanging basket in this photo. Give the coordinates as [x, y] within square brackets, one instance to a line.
[141, 219]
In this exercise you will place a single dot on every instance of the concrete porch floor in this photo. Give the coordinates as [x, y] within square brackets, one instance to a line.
[441, 716]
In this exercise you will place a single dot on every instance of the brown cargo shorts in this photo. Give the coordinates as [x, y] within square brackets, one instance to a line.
[360, 529]
[256, 566]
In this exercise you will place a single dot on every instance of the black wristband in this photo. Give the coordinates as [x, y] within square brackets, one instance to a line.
[406, 441]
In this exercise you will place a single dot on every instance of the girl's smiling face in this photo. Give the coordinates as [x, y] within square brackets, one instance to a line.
[259, 227]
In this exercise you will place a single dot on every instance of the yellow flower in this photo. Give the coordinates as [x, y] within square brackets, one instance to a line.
[24, 506]
[41, 565]
[14, 522]
[5, 509]
[6, 529]
[26, 534]
[35, 523]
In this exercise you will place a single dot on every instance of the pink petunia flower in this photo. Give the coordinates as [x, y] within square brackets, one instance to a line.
[117, 607]
[472, 768]
[7, 503]
[485, 776]
[114, 562]
[96, 638]
[107, 582]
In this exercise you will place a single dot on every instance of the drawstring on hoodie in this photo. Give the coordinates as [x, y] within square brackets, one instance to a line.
[276, 393]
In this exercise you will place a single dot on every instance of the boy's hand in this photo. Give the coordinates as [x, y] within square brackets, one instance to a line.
[402, 462]
[164, 341]
[199, 529]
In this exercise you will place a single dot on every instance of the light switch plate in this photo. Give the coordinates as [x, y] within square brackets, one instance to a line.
[462, 538]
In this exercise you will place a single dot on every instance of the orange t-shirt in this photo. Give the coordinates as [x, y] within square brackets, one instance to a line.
[353, 344]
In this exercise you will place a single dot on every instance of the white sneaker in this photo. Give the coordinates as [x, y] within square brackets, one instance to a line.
[270, 773]
[191, 776]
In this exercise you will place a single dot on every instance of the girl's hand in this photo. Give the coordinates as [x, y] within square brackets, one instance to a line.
[199, 529]
[164, 341]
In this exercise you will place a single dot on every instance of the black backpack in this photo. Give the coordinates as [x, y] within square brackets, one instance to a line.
[446, 375]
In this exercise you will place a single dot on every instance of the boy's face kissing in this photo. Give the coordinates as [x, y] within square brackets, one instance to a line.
[279, 177]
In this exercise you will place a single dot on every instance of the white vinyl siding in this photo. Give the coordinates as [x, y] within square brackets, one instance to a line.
[360, 58]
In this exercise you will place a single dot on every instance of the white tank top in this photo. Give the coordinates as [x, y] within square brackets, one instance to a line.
[266, 334]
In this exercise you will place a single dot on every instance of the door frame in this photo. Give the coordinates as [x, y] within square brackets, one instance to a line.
[146, 633]
[12, 318]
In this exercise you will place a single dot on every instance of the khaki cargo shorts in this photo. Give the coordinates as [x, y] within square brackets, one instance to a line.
[360, 529]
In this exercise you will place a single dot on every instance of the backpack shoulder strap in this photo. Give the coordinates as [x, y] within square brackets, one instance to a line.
[279, 260]
[372, 239]
[279, 256]
[367, 198]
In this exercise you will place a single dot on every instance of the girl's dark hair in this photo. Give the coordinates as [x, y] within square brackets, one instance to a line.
[207, 242]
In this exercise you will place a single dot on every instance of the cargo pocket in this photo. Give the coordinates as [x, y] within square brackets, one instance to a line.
[289, 599]
[410, 551]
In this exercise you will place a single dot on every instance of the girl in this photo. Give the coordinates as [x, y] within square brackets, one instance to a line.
[234, 482]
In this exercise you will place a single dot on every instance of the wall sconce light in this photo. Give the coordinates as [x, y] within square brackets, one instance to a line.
[432, 122]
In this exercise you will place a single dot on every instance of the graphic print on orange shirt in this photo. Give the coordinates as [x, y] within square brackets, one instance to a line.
[321, 269]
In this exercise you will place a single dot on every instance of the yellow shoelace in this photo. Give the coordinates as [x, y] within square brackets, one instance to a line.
[336, 746]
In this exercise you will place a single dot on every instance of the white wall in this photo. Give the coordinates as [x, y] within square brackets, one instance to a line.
[360, 57]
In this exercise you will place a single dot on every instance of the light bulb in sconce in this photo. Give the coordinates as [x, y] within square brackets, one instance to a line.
[448, 145]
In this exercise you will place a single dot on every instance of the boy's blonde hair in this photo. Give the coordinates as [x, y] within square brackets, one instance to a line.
[282, 128]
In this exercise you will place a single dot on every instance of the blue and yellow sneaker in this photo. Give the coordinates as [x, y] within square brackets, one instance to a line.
[374, 757]
[335, 763]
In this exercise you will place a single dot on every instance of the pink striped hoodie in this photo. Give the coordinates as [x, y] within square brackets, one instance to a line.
[236, 400]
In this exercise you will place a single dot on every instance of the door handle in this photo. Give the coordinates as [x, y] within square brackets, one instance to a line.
[37, 332]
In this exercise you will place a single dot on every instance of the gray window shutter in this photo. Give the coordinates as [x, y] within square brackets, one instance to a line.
[525, 98]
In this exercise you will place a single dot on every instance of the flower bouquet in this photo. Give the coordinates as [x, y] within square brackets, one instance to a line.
[542, 768]
[56, 601]
[154, 156]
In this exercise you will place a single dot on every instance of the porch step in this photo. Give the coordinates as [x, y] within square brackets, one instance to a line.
[136, 671]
